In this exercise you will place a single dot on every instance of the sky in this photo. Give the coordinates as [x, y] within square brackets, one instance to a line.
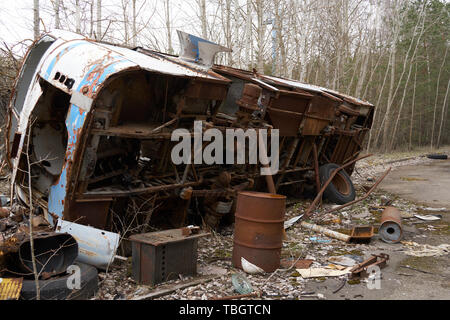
[16, 18]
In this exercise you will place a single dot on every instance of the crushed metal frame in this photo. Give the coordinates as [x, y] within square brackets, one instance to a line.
[93, 109]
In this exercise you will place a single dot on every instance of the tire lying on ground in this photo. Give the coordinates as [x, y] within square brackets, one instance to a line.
[437, 156]
[341, 189]
[56, 288]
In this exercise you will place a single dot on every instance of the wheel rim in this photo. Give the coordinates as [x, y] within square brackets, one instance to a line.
[341, 184]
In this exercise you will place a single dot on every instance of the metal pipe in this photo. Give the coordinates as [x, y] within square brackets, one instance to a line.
[325, 231]
[391, 225]
[316, 167]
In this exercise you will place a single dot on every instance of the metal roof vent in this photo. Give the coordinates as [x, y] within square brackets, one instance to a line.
[198, 50]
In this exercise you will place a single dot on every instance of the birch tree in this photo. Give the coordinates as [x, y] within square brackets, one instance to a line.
[36, 20]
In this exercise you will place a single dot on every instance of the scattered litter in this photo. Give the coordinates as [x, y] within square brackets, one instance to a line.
[209, 270]
[171, 288]
[343, 261]
[319, 240]
[406, 215]
[425, 250]
[355, 257]
[434, 209]
[322, 272]
[430, 217]
[362, 215]
[325, 231]
[249, 267]
[241, 284]
[336, 267]
[309, 257]
[385, 201]
[292, 221]
[300, 264]
[378, 260]
[362, 234]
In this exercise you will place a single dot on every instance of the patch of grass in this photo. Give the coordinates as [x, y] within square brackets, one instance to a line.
[429, 264]
[412, 179]
[295, 274]
[354, 281]
[293, 249]
[221, 253]
[342, 252]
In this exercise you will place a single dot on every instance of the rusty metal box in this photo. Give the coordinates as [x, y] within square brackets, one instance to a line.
[162, 256]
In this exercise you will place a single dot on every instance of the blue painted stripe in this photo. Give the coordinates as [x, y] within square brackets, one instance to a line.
[74, 122]
[52, 64]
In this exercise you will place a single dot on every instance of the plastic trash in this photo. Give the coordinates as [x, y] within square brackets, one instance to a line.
[241, 284]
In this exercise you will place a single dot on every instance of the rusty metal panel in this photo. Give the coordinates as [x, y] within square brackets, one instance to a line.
[162, 256]
[361, 234]
[90, 212]
[10, 288]
[96, 247]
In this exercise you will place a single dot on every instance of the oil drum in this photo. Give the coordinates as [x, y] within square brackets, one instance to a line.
[258, 230]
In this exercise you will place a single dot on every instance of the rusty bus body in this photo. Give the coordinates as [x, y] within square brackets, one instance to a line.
[96, 119]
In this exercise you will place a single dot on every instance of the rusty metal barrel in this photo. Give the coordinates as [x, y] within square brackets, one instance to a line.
[258, 230]
[391, 225]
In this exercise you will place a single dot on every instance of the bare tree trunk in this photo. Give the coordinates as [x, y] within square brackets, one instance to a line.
[377, 108]
[99, 20]
[444, 105]
[91, 30]
[125, 21]
[134, 36]
[412, 110]
[387, 115]
[78, 16]
[57, 18]
[362, 75]
[36, 19]
[228, 30]
[248, 35]
[407, 81]
[203, 18]
[260, 14]
[437, 96]
[169, 29]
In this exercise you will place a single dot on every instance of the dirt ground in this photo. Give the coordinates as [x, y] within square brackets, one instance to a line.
[416, 185]
[406, 275]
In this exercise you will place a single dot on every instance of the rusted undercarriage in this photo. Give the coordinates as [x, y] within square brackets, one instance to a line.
[100, 146]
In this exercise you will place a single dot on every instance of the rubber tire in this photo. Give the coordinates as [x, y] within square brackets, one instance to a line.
[331, 192]
[56, 288]
[437, 156]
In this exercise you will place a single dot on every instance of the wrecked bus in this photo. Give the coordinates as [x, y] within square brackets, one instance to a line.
[90, 132]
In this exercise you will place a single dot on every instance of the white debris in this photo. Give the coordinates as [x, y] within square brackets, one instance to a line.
[425, 250]
[429, 217]
[250, 267]
[322, 272]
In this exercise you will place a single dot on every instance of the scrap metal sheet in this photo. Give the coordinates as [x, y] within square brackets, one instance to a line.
[10, 288]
